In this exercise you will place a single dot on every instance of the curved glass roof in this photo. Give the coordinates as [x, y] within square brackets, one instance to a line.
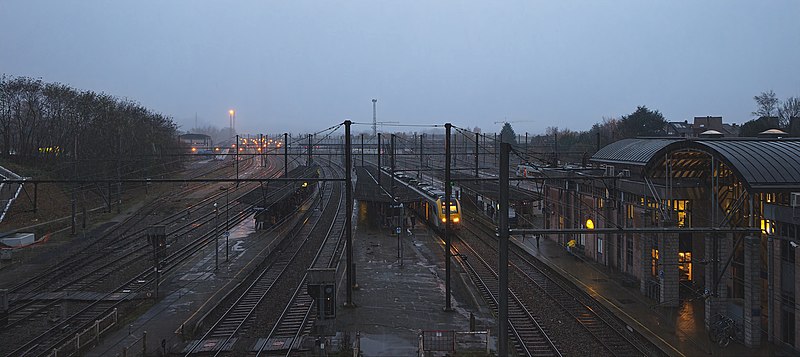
[631, 151]
[761, 164]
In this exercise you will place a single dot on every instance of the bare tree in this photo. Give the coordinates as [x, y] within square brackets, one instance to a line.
[790, 108]
[767, 104]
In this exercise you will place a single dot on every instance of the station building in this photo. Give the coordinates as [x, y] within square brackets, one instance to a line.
[201, 140]
[747, 187]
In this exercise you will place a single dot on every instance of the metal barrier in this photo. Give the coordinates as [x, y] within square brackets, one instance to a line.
[438, 341]
[87, 337]
[449, 341]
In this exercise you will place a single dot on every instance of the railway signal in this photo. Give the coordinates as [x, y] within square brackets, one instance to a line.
[322, 289]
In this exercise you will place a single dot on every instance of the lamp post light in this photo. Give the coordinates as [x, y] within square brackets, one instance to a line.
[232, 120]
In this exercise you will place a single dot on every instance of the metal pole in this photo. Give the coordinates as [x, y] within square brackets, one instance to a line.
[374, 117]
[237, 159]
[391, 188]
[391, 163]
[502, 328]
[348, 229]
[285, 154]
[447, 192]
[227, 225]
[362, 150]
[310, 147]
[420, 153]
[379, 159]
[477, 136]
[216, 236]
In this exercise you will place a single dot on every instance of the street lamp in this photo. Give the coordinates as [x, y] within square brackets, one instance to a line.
[232, 120]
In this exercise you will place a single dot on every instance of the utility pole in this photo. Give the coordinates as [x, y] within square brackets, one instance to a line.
[285, 155]
[374, 118]
[420, 154]
[216, 237]
[447, 192]
[237, 159]
[395, 201]
[310, 147]
[477, 136]
[348, 229]
[379, 159]
[362, 149]
[502, 321]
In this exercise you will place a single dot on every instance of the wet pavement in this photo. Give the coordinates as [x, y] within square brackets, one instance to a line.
[396, 302]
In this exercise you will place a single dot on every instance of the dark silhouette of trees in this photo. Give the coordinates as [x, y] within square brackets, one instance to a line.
[753, 127]
[767, 104]
[507, 134]
[52, 124]
[642, 122]
[790, 108]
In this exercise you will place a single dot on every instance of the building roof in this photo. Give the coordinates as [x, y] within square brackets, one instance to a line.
[761, 164]
[195, 136]
[636, 151]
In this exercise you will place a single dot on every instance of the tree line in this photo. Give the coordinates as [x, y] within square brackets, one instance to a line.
[53, 125]
[772, 113]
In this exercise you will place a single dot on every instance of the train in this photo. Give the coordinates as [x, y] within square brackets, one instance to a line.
[433, 207]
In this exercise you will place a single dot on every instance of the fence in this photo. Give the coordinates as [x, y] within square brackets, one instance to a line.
[87, 337]
[449, 341]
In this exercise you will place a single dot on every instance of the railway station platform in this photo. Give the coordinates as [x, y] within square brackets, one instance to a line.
[398, 300]
[677, 331]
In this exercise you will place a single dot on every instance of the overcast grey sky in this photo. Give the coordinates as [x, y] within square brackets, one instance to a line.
[302, 66]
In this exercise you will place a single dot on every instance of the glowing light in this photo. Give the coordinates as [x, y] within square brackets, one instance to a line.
[455, 220]
[305, 184]
[767, 226]
[444, 219]
[589, 224]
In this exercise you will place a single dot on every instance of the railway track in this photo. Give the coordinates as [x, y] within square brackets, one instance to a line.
[529, 336]
[237, 318]
[105, 303]
[88, 269]
[296, 319]
[606, 333]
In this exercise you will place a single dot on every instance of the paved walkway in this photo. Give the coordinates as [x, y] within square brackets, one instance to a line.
[397, 301]
[678, 331]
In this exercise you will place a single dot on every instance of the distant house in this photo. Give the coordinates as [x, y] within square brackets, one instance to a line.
[679, 128]
[202, 140]
[700, 125]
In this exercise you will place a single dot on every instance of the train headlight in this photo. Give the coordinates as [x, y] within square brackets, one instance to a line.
[444, 219]
[455, 220]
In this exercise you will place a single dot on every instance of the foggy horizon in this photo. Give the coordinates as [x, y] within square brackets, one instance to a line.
[303, 66]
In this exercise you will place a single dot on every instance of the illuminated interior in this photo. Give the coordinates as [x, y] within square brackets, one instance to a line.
[685, 265]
